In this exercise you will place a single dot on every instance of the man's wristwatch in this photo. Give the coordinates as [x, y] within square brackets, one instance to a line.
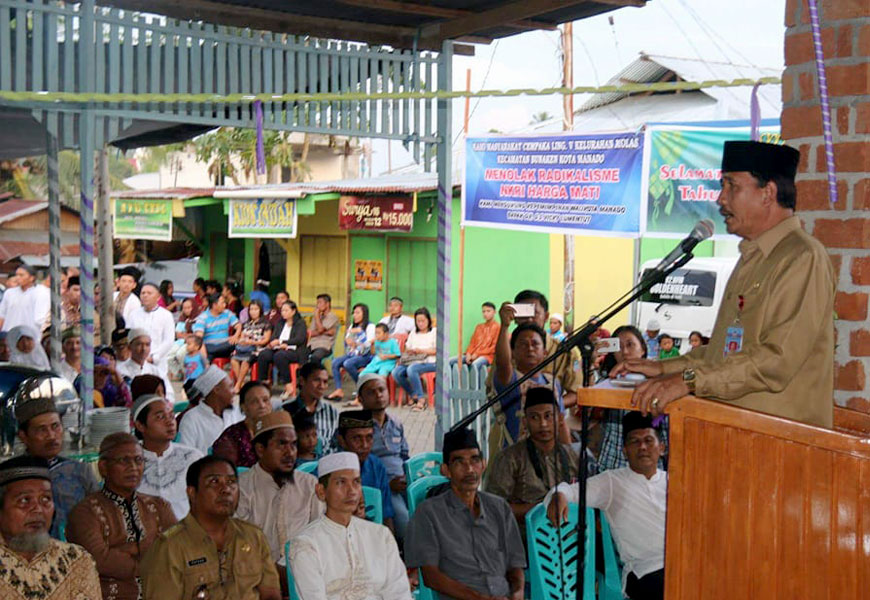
[689, 379]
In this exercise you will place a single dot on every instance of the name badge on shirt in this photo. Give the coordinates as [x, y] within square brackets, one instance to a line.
[733, 340]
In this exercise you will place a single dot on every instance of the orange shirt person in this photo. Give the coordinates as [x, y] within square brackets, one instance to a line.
[481, 348]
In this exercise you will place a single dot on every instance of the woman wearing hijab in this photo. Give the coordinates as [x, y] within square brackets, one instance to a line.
[24, 348]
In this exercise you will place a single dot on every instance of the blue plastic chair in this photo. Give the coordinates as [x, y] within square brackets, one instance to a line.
[61, 531]
[180, 406]
[418, 466]
[374, 504]
[241, 470]
[610, 582]
[291, 584]
[553, 555]
[417, 491]
[309, 467]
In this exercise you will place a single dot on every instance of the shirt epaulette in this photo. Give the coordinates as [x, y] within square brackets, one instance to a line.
[171, 531]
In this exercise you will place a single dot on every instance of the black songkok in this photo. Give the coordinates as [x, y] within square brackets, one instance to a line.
[765, 159]
[355, 419]
[461, 439]
[23, 467]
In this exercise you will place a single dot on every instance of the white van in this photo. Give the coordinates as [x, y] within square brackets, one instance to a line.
[688, 300]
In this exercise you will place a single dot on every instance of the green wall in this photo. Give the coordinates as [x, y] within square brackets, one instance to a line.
[213, 220]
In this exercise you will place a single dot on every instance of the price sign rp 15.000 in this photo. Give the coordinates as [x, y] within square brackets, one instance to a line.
[376, 213]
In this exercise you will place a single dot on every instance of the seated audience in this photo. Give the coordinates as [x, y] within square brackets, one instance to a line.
[313, 382]
[697, 339]
[274, 313]
[634, 500]
[356, 434]
[389, 443]
[41, 432]
[236, 442]
[212, 287]
[121, 344]
[210, 554]
[273, 495]
[207, 420]
[24, 348]
[323, 328]
[514, 357]
[340, 556]
[232, 294]
[651, 338]
[199, 295]
[397, 322]
[110, 389]
[256, 333]
[213, 326]
[138, 363]
[158, 322]
[287, 345]
[194, 363]
[117, 525]
[357, 349]
[667, 348]
[386, 352]
[523, 473]
[481, 348]
[33, 564]
[147, 384]
[465, 542]
[71, 303]
[71, 365]
[167, 299]
[306, 438]
[417, 358]
[183, 328]
[556, 323]
[165, 461]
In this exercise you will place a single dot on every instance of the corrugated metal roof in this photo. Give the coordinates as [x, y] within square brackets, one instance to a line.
[12, 250]
[15, 208]
[165, 193]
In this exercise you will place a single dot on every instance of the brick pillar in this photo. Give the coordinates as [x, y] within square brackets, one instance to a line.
[845, 228]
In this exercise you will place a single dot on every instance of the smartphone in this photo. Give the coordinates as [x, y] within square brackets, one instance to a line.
[523, 310]
[607, 345]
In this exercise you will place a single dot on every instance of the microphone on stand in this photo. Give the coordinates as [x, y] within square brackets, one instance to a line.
[703, 230]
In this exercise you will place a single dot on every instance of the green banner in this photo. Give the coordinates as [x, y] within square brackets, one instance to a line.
[262, 218]
[684, 173]
[143, 219]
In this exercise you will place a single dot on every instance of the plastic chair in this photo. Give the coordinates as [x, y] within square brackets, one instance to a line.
[61, 531]
[418, 466]
[429, 378]
[291, 584]
[417, 491]
[610, 582]
[309, 467]
[374, 504]
[241, 470]
[180, 406]
[553, 555]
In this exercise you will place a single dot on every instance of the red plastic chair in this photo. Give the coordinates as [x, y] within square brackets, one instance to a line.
[429, 378]
[222, 364]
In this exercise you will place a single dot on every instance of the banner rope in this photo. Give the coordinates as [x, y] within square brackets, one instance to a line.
[116, 98]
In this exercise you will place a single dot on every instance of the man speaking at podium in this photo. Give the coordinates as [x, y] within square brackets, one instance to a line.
[772, 348]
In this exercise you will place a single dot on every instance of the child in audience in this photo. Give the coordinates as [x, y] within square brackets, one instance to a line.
[556, 323]
[194, 363]
[306, 437]
[666, 347]
[386, 351]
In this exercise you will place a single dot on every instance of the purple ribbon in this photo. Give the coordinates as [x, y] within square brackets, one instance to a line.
[823, 94]
[754, 113]
[261, 151]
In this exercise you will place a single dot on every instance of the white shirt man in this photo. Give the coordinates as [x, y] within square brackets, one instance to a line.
[157, 321]
[634, 500]
[272, 494]
[397, 322]
[341, 556]
[204, 423]
[28, 304]
[137, 364]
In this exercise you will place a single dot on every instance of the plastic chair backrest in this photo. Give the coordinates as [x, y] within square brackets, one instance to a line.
[241, 470]
[612, 588]
[309, 467]
[291, 584]
[553, 555]
[61, 531]
[180, 406]
[417, 490]
[401, 338]
[418, 466]
[374, 504]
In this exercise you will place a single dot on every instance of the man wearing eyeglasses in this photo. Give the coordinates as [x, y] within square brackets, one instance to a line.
[209, 554]
[117, 524]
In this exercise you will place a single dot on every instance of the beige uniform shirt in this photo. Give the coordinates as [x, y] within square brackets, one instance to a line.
[786, 366]
[279, 512]
[184, 557]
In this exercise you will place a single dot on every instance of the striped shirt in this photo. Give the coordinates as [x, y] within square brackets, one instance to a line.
[214, 329]
[325, 418]
[635, 508]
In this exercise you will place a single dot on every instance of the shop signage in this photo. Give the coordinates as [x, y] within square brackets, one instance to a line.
[376, 214]
[140, 219]
[262, 218]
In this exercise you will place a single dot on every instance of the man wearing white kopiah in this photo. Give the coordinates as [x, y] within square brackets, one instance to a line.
[340, 556]
[204, 423]
[138, 364]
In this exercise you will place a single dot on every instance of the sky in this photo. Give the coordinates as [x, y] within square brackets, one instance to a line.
[737, 31]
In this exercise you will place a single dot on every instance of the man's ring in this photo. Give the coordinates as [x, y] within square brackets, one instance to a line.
[655, 402]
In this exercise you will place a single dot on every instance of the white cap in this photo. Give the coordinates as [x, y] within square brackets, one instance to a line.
[137, 333]
[653, 325]
[337, 461]
[365, 378]
[209, 380]
[557, 316]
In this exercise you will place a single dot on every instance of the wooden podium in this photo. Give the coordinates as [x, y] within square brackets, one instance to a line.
[760, 507]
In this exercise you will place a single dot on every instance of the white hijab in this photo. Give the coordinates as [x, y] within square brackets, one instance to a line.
[35, 358]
